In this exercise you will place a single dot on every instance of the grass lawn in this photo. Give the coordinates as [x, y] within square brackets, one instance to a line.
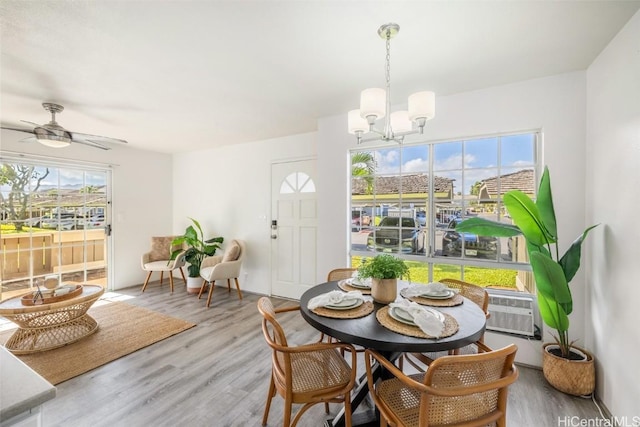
[477, 275]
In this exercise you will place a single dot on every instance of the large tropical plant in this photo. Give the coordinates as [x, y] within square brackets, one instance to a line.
[197, 247]
[536, 221]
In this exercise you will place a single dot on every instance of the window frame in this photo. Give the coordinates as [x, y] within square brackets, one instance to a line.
[430, 258]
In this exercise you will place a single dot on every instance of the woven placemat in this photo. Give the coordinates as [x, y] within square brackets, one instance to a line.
[449, 302]
[342, 284]
[385, 319]
[360, 311]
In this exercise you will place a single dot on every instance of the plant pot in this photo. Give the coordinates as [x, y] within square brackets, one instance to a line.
[194, 284]
[575, 377]
[384, 291]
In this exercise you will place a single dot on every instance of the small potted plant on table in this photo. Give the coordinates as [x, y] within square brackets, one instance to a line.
[384, 271]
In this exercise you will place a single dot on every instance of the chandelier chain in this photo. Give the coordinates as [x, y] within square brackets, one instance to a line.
[387, 126]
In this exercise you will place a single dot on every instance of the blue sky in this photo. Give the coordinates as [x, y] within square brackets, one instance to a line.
[479, 158]
[68, 178]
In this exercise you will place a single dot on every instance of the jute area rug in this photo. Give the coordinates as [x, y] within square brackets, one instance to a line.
[122, 329]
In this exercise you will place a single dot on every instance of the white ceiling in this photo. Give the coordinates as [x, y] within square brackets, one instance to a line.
[174, 76]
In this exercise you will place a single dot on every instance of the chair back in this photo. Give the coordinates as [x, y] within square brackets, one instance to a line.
[468, 388]
[161, 248]
[340, 274]
[235, 251]
[475, 293]
[273, 332]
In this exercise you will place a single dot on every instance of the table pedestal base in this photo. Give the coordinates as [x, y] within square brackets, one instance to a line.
[32, 340]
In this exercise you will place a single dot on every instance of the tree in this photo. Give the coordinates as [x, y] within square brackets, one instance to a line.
[363, 164]
[15, 204]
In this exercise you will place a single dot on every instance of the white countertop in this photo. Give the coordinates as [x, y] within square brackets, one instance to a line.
[21, 388]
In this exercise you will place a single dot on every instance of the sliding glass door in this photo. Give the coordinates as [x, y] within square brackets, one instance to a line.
[53, 222]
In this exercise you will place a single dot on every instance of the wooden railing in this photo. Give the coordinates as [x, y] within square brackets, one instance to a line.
[24, 254]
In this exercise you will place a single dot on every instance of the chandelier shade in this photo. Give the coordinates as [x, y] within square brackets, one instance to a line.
[375, 104]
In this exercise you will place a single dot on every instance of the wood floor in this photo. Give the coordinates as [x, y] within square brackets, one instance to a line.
[217, 374]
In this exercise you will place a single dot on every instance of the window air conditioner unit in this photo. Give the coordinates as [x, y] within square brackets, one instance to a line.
[512, 313]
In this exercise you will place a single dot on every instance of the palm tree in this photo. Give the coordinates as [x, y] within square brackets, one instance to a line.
[363, 164]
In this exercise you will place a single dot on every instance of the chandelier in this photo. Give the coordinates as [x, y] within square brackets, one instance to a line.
[375, 103]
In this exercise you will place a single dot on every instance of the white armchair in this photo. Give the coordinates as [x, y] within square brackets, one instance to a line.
[159, 259]
[220, 267]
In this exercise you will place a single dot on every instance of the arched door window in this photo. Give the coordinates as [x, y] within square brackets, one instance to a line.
[297, 182]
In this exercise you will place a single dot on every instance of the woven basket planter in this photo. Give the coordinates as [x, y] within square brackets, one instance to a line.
[384, 291]
[575, 377]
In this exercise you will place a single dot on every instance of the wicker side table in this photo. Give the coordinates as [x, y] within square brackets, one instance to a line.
[48, 326]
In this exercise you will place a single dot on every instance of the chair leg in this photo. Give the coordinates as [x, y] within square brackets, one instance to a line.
[204, 284]
[171, 281]
[161, 277]
[238, 287]
[347, 409]
[183, 278]
[146, 282]
[213, 284]
[272, 392]
[287, 411]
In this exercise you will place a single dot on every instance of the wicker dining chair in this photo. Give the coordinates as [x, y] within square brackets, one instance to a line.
[340, 274]
[307, 374]
[459, 390]
[475, 293]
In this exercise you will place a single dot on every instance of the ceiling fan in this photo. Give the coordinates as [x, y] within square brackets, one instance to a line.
[55, 136]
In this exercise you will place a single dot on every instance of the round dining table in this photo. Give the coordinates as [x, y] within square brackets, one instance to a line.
[369, 333]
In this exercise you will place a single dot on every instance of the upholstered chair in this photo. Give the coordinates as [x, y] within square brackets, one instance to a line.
[221, 267]
[159, 259]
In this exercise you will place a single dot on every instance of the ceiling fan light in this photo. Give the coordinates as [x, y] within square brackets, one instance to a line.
[356, 123]
[422, 105]
[400, 122]
[373, 103]
[54, 143]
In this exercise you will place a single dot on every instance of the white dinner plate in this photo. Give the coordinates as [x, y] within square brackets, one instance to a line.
[359, 283]
[439, 295]
[345, 304]
[402, 316]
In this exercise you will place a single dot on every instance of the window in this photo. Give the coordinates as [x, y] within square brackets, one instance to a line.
[52, 220]
[413, 196]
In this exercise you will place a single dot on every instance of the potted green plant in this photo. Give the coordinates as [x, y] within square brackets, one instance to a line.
[536, 222]
[196, 250]
[384, 271]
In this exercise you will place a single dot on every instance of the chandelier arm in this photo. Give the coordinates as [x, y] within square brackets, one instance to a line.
[421, 110]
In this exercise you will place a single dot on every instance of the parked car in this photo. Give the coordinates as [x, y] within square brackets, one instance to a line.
[474, 246]
[60, 222]
[95, 221]
[359, 219]
[390, 237]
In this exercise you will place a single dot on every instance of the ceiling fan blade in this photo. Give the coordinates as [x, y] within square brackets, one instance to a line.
[90, 143]
[31, 123]
[29, 139]
[18, 129]
[95, 138]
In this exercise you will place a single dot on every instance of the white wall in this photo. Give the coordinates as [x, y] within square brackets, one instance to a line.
[613, 180]
[142, 197]
[554, 104]
[228, 190]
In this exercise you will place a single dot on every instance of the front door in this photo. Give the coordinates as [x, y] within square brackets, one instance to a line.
[294, 222]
